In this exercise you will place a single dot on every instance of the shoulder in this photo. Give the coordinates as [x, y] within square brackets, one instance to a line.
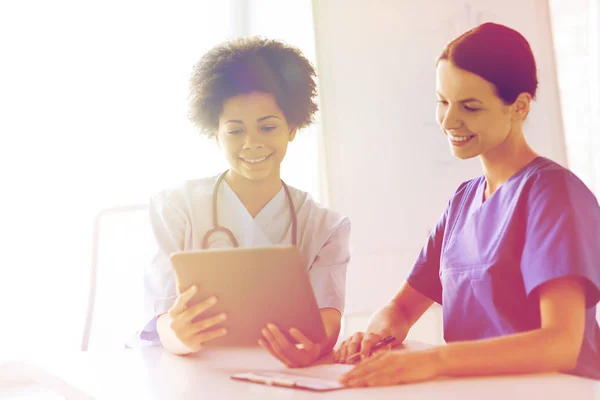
[184, 195]
[550, 182]
[316, 214]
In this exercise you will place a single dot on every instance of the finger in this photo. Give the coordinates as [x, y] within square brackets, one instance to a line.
[343, 351]
[181, 302]
[367, 344]
[188, 315]
[207, 336]
[202, 325]
[381, 350]
[395, 377]
[288, 353]
[265, 345]
[353, 346]
[377, 356]
[352, 375]
[365, 368]
[282, 341]
[268, 335]
[388, 375]
[337, 355]
[300, 337]
[312, 349]
[381, 378]
[272, 346]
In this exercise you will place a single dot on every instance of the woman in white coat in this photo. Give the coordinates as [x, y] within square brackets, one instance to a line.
[251, 96]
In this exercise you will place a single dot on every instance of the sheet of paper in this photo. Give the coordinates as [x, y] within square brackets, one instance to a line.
[317, 377]
[325, 371]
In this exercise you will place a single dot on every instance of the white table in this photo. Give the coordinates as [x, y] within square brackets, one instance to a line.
[153, 373]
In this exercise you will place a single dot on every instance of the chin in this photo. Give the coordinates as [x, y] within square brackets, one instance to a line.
[257, 176]
[464, 155]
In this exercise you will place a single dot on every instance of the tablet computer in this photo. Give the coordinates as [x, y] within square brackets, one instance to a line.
[253, 286]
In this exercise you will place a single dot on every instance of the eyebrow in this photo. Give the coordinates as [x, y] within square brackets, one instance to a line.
[267, 117]
[468, 100]
[237, 121]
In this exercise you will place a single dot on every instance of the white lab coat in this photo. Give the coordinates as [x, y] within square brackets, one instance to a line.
[180, 218]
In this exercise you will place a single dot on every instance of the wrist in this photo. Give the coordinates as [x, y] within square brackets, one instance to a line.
[169, 338]
[389, 320]
[325, 347]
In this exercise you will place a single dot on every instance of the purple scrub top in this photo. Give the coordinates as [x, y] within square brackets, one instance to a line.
[484, 260]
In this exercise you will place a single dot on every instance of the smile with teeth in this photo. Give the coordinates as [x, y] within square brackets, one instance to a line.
[460, 138]
[255, 160]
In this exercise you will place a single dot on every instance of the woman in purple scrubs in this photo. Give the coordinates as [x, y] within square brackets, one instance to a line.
[515, 258]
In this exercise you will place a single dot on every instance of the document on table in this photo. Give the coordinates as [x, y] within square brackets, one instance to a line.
[320, 378]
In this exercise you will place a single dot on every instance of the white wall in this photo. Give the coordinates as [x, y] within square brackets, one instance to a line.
[303, 166]
[594, 51]
[575, 41]
[390, 168]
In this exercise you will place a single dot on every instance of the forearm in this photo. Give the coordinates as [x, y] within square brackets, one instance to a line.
[332, 322]
[407, 306]
[399, 322]
[541, 350]
[168, 338]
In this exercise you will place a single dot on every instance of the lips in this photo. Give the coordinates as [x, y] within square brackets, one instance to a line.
[459, 140]
[254, 160]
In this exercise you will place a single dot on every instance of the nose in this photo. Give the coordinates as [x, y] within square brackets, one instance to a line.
[253, 140]
[449, 118]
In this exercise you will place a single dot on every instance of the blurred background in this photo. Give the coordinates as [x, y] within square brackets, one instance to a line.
[93, 98]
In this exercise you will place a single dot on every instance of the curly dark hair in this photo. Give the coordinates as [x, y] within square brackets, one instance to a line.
[246, 65]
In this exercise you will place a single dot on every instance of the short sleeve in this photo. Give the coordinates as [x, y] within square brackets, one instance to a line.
[425, 274]
[168, 225]
[328, 271]
[562, 233]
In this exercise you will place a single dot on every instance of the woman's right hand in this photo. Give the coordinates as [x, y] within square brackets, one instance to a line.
[387, 321]
[190, 331]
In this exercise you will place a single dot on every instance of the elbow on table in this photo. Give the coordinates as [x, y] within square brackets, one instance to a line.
[564, 352]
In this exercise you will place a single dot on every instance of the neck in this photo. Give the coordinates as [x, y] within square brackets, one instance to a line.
[502, 162]
[254, 195]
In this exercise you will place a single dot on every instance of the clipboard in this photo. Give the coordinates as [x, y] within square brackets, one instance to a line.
[318, 378]
[289, 381]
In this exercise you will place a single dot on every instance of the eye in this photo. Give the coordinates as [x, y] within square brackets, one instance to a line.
[471, 109]
[234, 131]
[268, 128]
[443, 102]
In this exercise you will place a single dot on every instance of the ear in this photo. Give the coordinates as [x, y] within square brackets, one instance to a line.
[292, 136]
[216, 136]
[521, 106]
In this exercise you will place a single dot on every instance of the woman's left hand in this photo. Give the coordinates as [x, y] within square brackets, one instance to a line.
[293, 355]
[393, 368]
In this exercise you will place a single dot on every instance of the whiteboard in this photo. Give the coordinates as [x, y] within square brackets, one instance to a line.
[389, 166]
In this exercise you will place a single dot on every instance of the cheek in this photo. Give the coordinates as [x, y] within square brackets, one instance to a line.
[282, 148]
[499, 126]
[277, 141]
[440, 112]
[228, 146]
[478, 123]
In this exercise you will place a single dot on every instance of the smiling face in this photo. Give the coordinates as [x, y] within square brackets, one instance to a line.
[470, 113]
[254, 134]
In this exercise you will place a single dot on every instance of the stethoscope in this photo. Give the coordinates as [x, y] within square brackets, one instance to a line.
[217, 228]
